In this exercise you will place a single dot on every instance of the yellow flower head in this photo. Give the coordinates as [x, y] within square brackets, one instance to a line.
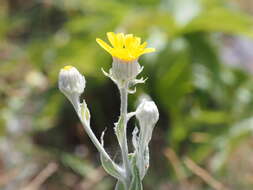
[125, 47]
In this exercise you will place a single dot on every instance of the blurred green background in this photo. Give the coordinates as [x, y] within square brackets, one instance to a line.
[200, 77]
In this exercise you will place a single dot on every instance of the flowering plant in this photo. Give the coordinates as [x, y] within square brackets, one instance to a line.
[125, 52]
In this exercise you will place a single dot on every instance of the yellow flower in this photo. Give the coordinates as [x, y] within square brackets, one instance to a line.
[125, 47]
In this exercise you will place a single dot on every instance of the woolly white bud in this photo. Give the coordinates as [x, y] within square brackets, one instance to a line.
[72, 84]
[147, 113]
[71, 81]
[125, 70]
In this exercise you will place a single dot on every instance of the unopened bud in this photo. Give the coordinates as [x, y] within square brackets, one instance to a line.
[71, 81]
[147, 113]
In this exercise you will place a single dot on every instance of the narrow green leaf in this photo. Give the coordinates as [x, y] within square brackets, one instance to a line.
[119, 130]
[136, 181]
[109, 166]
[119, 186]
[85, 113]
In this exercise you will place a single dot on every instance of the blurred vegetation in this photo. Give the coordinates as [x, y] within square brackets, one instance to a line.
[200, 77]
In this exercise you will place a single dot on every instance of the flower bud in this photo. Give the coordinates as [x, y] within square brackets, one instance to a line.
[147, 113]
[71, 82]
[125, 70]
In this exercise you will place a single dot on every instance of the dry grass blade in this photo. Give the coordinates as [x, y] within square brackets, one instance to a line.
[176, 163]
[203, 174]
[41, 177]
[95, 177]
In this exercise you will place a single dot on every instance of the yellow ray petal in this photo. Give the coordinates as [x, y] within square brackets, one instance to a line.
[125, 47]
[148, 50]
[138, 41]
[128, 40]
[104, 45]
[112, 38]
[135, 42]
[120, 40]
[143, 45]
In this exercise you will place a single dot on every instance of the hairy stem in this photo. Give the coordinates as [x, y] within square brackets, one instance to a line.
[88, 130]
[123, 114]
[95, 140]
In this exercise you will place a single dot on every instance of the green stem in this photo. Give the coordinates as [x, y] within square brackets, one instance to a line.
[124, 147]
[88, 130]
[95, 140]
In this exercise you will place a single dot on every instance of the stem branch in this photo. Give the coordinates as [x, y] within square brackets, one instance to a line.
[95, 140]
[87, 128]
